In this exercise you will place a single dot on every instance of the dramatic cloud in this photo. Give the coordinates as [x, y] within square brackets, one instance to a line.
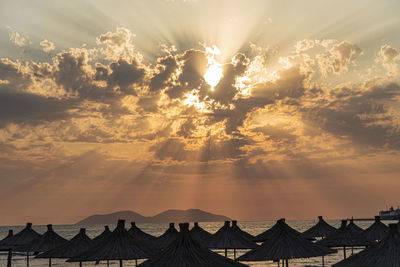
[47, 46]
[269, 117]
[389, 56]
[338, 58]
[19, 39]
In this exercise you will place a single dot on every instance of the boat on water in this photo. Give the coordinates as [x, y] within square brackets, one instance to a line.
[390, 214]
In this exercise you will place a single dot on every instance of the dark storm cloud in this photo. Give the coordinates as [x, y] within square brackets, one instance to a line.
[360, 116]
[12, 76]
[125, 74]
[165, 68]
[31, 108]
[193, 68]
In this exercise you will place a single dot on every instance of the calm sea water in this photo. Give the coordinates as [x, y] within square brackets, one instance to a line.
[68, 231]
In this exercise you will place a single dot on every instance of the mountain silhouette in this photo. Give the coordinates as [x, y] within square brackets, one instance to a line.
[190, 215]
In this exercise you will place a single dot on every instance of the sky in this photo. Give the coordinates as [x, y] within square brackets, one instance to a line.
[253, 109]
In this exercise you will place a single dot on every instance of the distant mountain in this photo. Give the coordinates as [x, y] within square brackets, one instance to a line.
[191, 215]
[111, 218]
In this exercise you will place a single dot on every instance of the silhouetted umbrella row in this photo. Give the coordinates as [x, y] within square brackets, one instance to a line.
[386, 253]
[345, 237]
[119, 245]
[22, 238]
[77, 245]
[229, 238]
[192, 248]
[187, 251]
[285, 244]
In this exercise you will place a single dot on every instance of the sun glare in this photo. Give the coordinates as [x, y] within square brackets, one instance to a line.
[213, 75]
[214, 72]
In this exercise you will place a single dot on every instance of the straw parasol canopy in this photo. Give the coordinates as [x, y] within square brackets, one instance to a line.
[355, 229]
[268, 234]
[343, 237]
[22, 238]
[236, 228]
[47, 241]
[227, 238]
[321, 229]
[285, 244]
[199, 233]
[377, 231]
[386, 253]
[186, 251]
[4, 241]
[78, 244]
[9, 256]
[168, 237]
[143, 237]
[119, 245]
[101, 237]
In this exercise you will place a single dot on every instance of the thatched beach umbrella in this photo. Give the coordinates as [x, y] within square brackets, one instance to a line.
[101, 237]
[143, 237]
[77, 245]
[352, 227]
[21, 239]
[6, 248]
[119, 245]
[167, 237]
[343, 237]
[386, 253]
[269, 233]
[227, 238]
[47, 241]
[377, 231]
[285, 245]
[236, 228]
[4, 241]
[200, 234]
[321, 229]
[186, 251]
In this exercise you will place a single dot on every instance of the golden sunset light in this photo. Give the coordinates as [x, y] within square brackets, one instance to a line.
[253, 109]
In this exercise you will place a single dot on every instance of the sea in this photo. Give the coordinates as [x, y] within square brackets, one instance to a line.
[254, 228]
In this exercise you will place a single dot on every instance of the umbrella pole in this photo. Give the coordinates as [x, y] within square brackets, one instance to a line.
[352, 250]
[49, 262]
[108, 263]
[226, 253]
[80, 264]
[279, 261]
[323, 261]
[287, 263]
[135, 262]
[9, 258]
[234, 253]
[344, 252]
[120, 263]
[27, 259]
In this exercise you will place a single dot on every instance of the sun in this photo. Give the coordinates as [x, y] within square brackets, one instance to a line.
[213, 75]
[214, 72]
